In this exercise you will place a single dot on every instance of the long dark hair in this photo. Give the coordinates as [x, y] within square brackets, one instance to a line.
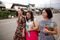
[32, 17]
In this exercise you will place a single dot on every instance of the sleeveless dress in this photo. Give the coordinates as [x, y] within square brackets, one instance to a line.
[31, 35]
[19, 30]
[46, 36]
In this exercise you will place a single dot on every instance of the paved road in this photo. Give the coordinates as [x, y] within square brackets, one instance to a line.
[8, 27]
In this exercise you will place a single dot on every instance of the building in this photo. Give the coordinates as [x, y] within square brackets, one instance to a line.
[16, 6]
[2, 6]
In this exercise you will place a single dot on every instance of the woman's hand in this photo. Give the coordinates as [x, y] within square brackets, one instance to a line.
[51, 32]
[46, 30]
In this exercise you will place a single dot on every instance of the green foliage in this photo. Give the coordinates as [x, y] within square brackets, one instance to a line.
[6, 13]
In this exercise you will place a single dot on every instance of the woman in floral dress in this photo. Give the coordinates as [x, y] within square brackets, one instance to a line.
[20, 31]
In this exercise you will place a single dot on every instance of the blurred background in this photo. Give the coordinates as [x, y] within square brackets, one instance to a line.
[8, 14]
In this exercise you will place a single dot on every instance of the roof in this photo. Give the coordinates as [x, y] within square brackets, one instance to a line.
[1, 5]
[14, 4]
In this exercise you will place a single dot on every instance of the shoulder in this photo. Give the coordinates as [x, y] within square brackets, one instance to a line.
[53, 21]
[42, 21]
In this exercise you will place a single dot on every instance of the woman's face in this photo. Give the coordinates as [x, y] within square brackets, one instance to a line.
[28, 15]
[44, 14]
[19, 12]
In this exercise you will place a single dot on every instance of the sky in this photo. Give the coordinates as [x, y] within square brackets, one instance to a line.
[38, 3]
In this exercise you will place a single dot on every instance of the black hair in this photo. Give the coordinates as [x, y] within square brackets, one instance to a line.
[32, 17]
[49, 12]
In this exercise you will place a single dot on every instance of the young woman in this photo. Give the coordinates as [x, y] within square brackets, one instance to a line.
[31, 27]
[20, 31]
[47, 26]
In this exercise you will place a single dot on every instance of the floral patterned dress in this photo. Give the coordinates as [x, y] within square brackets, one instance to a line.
[20, 29]
[51, 25]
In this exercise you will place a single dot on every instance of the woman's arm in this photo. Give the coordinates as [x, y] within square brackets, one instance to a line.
[53, 32]
[36, 27]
